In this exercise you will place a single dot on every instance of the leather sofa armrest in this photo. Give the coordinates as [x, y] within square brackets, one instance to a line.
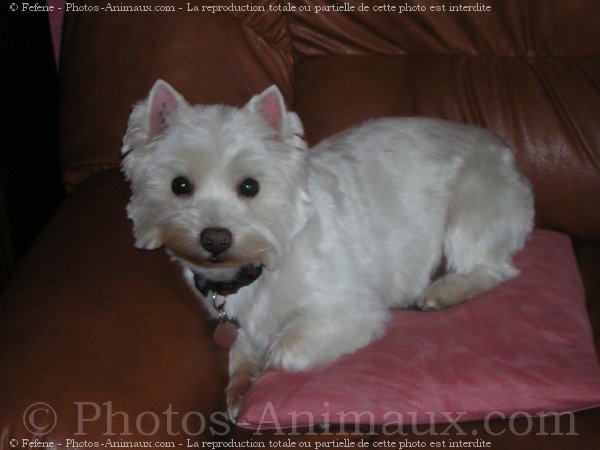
[102, 341]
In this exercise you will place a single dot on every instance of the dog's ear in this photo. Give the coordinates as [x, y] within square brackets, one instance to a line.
[149, 118]
[270, 105]
[163, 100]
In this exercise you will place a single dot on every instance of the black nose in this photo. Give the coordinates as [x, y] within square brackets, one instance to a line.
[215, 240]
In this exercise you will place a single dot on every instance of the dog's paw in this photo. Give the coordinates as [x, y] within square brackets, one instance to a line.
[431, 303]
[294, 352]
[446, 291]
[435, 298]
[236, 390]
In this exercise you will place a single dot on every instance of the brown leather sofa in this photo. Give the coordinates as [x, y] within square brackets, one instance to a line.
[101, 341]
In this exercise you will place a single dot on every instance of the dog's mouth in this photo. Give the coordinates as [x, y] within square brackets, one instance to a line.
[218, 258]
[226, 261]
[207, 261]
[246, 275]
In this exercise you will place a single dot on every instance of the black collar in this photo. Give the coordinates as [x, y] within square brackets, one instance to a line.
[245, 276]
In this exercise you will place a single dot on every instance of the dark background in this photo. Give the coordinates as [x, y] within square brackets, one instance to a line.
[30, 179]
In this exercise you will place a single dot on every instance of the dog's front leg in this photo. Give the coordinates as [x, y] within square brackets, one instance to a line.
[317, 338]
[243, 371]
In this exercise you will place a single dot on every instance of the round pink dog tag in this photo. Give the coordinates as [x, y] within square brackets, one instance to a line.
[225, 334]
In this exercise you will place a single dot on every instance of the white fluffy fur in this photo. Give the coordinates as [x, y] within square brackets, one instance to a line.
[347, 230]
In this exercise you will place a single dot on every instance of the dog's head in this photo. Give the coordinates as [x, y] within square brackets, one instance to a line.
[220, 187]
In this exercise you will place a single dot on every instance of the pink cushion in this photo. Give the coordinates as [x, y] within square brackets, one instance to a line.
[525, 346]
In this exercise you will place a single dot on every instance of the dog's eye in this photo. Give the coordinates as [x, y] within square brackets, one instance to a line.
[249, 187]
[181, 186]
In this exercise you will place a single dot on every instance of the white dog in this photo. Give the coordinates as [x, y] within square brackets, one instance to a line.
[307, 250]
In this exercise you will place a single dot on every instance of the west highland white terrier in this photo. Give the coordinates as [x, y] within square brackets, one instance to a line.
[300, 254]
